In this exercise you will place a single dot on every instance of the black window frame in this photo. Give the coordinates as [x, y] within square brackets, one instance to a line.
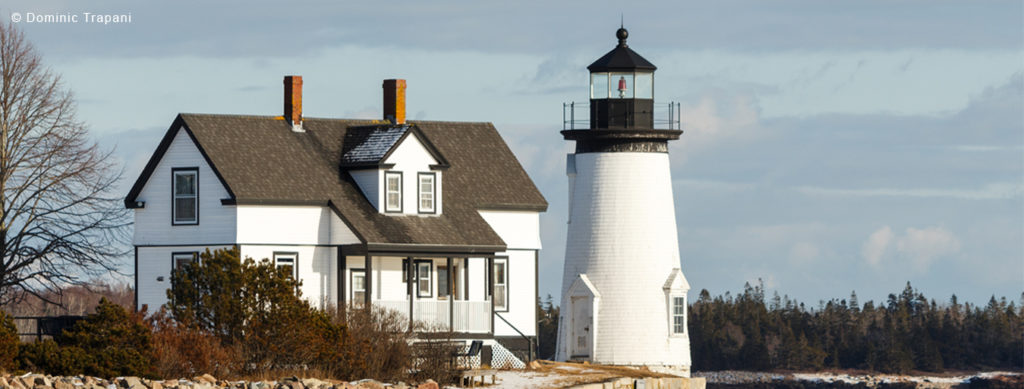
[295, 262]
[508, 298]
[430, 280]
[419, 193]
[352, 285]
[174, 195]
[401, 195]
[175, 254]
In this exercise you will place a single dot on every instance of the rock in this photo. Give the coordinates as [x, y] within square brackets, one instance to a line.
[368, 384]
[130, 383]
[152, 385]
[430, 384]
[289, 384]
[207, 378]
[40, 380]
[400, 385]
[61, 384]
[311, 383]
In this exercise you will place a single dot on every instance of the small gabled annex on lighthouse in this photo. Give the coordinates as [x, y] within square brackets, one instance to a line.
[623, 289]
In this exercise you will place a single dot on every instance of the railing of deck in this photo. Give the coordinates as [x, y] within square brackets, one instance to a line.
[469, 316]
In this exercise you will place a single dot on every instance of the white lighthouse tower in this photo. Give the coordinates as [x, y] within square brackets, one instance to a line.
[623, 293]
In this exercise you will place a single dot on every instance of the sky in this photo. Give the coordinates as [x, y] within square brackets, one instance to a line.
[828, 147]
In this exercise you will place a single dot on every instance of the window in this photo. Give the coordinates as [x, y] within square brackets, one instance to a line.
[180, 260]
[423, 270]
[358, 286]
[501, 284]
[426, 193]
[678, 315]
[287, 262]
[393, 192]
[442, 282]
[186, 196]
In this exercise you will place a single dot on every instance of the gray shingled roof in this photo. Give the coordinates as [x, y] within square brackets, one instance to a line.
[262, 161]
[370, 144]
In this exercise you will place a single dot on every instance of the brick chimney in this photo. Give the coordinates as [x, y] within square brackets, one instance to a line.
[293, 101]
[394, 101]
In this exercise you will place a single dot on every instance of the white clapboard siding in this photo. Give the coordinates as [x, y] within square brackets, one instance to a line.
[317, 268]
[304, 225]
[411, 158]
[154, 272]
[153, 223]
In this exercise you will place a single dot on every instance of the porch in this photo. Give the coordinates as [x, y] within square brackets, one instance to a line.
[433, 291]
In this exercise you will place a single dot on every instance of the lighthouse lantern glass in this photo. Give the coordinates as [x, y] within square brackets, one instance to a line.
[621, 86]
[599, 85]
[644, 85]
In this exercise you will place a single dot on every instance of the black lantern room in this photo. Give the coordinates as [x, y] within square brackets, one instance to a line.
[622, 105]
[622, 88]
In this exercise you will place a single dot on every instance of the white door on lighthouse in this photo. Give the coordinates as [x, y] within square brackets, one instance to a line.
[582, 323]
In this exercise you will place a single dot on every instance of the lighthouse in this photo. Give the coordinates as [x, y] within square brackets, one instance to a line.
[623, 290]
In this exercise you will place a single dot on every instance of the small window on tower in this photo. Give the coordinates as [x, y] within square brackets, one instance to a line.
[678, 315]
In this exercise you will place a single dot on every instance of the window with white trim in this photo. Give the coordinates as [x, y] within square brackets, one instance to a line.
[185, 196]
[423, 273]
[678, 315]
[501, 284]
[358, 286]
[287, 262]
[426, 192]
[392, 192]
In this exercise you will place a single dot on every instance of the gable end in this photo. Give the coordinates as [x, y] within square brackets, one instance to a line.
[161, 149]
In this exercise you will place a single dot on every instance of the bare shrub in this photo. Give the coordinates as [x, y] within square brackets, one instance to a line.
[183, 351]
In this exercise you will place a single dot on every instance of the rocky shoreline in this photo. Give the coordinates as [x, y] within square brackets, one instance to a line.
[205, 381]
[747, 379]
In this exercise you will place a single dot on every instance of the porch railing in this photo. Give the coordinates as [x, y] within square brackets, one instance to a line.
[469, 316]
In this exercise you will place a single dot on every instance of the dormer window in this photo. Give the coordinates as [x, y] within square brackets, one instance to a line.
[393, 192]
[427, 189]
[185, 196]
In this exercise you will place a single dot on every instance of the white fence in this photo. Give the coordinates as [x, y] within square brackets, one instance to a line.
[470, 316]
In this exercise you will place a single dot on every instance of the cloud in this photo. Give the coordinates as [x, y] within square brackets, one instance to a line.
[804, 252]
[924, 245]
[920, 246]
[994, 191]
[876, 245]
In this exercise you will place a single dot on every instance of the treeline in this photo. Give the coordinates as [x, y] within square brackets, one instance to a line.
[907, 332]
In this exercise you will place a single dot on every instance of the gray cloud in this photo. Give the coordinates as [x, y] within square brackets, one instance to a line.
[263, 28]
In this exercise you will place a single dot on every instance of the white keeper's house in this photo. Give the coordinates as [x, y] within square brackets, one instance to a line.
[435, 219]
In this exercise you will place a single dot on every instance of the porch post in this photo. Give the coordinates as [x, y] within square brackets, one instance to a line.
[451, 298]
[490, 288]
[409, 268]
[342, 297]
[369, 278]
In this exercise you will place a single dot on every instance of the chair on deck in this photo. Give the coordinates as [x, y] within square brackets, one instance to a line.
[474, 350]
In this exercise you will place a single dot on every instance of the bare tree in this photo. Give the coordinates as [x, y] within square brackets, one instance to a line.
[60, 223]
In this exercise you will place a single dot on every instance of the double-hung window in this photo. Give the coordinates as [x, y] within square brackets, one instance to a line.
[423, 273]
[358, 286]
[185, 196]
[678, 315]
[501, 284]
[426, 192]
[288, 262]
[393, 192]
